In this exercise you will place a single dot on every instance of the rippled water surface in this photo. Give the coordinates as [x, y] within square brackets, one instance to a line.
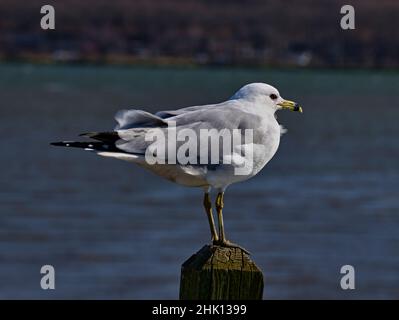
[111, 230]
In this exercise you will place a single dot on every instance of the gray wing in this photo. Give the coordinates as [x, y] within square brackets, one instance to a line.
[172, 113]
[221, 118]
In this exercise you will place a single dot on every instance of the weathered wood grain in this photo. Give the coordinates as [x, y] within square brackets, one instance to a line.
[219, 273]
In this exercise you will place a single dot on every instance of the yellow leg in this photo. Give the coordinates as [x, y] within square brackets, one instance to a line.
[219, 208]
[208, 209]
[222, 237]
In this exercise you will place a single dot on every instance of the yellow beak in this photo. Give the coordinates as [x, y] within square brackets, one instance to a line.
[290, 105]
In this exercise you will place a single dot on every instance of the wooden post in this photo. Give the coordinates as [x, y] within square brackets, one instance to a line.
[219, 273]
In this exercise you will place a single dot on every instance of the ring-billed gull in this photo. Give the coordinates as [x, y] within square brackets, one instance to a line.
[252, 108]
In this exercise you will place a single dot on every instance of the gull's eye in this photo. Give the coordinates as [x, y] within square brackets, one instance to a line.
[273, 96]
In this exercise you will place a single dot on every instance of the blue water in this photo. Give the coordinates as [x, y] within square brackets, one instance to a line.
[111, 230]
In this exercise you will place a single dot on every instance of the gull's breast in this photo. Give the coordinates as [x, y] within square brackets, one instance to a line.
[266, 142]
[247, 158]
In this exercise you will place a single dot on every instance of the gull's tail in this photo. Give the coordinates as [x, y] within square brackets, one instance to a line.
[90, 146]
[107, 142]
[104, 146]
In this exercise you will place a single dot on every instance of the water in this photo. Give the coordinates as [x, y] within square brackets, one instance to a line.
[111, 230]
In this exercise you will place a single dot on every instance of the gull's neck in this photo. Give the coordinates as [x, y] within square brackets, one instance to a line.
[256, 106]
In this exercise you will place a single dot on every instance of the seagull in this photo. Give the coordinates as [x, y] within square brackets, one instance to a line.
[252, 108]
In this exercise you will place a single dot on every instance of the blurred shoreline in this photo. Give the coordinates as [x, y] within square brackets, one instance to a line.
[202, 32]
[179, 63]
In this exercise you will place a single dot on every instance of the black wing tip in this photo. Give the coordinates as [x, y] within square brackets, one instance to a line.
[90, 146]
[108, 136]
[66, 144]
[75, 144]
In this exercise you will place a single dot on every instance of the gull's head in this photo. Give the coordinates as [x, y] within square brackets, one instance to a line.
[266, 95]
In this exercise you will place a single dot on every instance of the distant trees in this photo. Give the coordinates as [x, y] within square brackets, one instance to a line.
[256, 32]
